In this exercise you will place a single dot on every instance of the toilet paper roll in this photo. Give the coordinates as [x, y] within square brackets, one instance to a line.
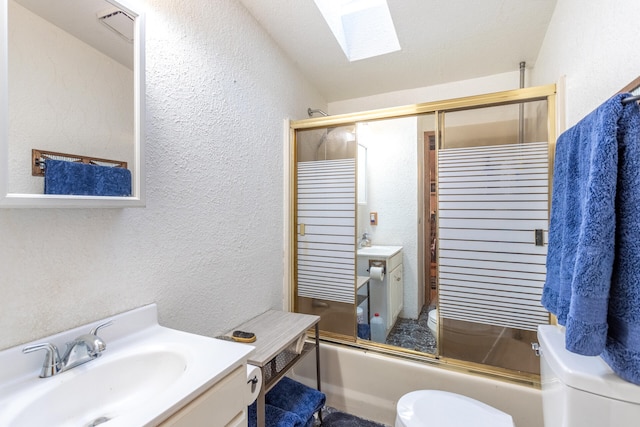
[254, 383]
[376, 273]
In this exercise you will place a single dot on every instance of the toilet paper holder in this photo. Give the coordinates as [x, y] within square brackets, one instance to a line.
[254, 383]
[378, 263]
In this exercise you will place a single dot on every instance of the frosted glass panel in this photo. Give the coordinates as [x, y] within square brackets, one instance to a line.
[491, 199]
[326, 229]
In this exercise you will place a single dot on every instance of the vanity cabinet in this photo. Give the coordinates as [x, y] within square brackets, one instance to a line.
[396, 291]
[386, 296]
[224, 404]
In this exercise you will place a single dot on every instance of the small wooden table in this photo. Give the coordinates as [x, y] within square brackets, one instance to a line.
[277, 333]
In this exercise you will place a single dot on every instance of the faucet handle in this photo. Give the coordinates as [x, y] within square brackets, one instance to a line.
[51, 364]
[95, 344]
[94, 331]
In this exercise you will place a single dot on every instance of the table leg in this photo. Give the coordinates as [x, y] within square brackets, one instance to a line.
[318, 381]
[369, 308]
[260, 404]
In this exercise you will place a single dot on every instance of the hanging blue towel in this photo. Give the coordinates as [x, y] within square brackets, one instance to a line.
[593, 280]
[82, 179]
[622, 350]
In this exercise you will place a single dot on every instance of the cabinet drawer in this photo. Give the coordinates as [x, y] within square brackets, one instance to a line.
[394, 261]
[224, 403]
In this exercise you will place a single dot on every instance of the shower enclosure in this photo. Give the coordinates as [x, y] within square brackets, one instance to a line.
[463, 186]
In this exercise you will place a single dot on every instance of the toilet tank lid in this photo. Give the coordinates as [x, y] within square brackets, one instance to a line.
[587, 373]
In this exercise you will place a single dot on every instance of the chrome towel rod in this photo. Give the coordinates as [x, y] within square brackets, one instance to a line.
[631, 99]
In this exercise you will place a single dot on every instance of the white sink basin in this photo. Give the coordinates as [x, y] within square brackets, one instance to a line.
[140, 379]
[379, 251]
[114, 387]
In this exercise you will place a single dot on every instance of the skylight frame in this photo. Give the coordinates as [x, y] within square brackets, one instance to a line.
[363, 28]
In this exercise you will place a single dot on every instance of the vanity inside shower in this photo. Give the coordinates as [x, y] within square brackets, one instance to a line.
[386, 287]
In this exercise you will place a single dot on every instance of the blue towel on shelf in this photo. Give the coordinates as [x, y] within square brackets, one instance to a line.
[292, 396]
[62, 177]
[364, 331]
[593, 259]
[275, 417]
[289, 404]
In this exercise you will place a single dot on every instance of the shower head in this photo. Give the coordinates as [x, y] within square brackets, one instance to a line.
[310, 112]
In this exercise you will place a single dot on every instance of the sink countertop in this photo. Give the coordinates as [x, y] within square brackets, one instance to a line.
[133, 333]
[379, 251]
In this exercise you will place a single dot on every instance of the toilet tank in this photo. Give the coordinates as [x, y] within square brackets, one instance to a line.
[582, 391]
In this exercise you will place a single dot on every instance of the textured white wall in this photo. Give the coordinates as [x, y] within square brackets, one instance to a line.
[392, 191]
[593, 44]
[208, 246]
[93, 119]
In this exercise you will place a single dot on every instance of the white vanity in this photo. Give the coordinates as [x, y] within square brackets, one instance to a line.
[386, 295]
[147, 375]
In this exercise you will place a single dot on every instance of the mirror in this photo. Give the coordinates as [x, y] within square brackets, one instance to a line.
[73, 83]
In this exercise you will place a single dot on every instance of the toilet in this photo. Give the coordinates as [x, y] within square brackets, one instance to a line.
[582, 391]
[577, 391]
[443, 409]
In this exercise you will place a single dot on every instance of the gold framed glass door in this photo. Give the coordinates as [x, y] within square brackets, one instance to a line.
[452, 124]
[493, 210]
[325, 228]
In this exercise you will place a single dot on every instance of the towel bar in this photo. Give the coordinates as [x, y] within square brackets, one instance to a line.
[38, 158]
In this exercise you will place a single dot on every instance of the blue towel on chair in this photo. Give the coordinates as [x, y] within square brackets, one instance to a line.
[593, 280]
[82, 179]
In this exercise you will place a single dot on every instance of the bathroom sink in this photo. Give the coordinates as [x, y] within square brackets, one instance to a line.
[379, 251]
[139, 380]
[100, 392]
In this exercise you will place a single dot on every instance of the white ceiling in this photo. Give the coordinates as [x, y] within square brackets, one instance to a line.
[79, 18]
[441, 41]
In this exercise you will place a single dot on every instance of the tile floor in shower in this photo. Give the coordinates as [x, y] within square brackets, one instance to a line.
[413, 334]
[495, 346]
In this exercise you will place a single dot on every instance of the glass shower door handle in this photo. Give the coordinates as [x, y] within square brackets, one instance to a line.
[539, 237]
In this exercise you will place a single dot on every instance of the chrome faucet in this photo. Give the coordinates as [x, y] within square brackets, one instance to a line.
[364, 241]
[81, 350]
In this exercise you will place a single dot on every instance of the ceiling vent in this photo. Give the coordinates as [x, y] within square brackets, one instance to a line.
[119, 22]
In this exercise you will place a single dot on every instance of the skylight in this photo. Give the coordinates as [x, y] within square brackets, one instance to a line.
[363, 28]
